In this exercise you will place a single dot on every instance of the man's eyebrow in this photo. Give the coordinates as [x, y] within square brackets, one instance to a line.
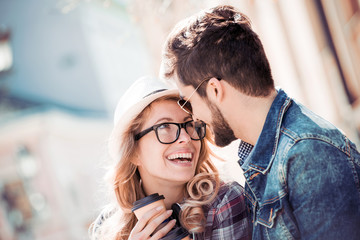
[188, 118]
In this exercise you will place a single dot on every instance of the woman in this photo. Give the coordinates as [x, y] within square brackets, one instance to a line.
[158, 148]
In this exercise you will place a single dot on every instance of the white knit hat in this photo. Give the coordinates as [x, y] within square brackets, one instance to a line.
[140, 94]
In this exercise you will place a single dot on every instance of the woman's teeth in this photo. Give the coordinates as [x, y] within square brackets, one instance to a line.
[186, 156]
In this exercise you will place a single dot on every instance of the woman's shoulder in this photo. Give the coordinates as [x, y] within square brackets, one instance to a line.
[231, 188]
[105, 214]
[229, 192]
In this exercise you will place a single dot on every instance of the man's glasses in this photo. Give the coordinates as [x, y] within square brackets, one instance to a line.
[169, 132]
[184, 104]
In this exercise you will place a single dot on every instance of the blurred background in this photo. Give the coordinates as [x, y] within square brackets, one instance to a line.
[65, 63]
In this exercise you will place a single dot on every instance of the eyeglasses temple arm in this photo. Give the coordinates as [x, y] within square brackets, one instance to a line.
[143, 133]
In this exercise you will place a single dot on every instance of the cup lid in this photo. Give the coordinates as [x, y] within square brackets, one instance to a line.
[146, 200]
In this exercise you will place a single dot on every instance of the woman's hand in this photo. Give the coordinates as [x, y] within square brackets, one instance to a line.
[148, 223]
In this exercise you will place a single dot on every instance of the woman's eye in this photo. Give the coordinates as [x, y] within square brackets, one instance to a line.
[190, 125]
[164, 126]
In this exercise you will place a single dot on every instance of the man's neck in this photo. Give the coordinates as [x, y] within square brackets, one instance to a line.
[247, 119]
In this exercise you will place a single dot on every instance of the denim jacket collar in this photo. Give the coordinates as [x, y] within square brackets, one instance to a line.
[264, 151]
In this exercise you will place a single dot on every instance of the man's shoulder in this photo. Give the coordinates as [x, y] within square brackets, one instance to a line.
[300, 123]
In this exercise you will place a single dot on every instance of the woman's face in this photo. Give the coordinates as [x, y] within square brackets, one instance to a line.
[167, 163]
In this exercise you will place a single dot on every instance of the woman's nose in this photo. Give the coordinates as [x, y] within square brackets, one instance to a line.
[184, 136]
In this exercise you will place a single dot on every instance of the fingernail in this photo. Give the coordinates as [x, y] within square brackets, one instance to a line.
[169, 212]
[159, 208]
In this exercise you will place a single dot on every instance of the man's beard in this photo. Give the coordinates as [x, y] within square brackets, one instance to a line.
[223, 133]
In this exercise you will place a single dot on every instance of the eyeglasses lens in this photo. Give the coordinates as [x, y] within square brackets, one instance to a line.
[196, 130]
[169, 132]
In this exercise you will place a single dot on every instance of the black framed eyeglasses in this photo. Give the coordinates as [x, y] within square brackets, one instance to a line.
[169, 132]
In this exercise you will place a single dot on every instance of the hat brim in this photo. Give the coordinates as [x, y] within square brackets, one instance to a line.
[126, 119]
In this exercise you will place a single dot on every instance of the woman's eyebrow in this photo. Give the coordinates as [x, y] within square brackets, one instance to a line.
[167, 119]
[164, 119]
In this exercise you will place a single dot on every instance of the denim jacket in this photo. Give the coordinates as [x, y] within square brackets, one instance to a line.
[302, 177]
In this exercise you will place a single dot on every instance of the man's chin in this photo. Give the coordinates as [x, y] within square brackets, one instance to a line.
[223, 134]
[223, 141]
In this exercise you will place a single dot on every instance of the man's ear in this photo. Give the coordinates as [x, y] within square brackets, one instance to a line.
[215, 90]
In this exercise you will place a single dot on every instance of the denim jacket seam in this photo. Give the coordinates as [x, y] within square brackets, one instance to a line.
[356, 177]
[272, 216]
[289, 133]
[256, 167]
[250, 197]
[349, 149]
[353, 161]
[261, 220]
[327, 142]
[279, 120]
[271, 200]
[319, 137]
[274, 199]
[284, 107]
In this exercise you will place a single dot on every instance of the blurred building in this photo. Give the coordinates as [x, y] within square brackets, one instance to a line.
[64, 64]
[50, 167]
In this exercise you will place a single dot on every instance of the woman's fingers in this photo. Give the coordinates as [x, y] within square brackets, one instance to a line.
[143, 221]
[155, 223]
[148, 223]
[163, 231]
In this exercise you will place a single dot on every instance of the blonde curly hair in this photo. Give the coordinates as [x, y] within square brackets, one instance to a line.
[117, 220]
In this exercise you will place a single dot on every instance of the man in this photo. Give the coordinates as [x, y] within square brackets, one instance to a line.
[302, 174]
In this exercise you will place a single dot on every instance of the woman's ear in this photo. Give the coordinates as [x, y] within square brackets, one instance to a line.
[215, 90]
[136, 160]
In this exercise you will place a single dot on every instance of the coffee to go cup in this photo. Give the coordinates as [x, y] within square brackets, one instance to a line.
[177, 233]
[140, 207]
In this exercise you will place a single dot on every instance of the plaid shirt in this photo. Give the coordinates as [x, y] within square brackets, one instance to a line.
[226, 217]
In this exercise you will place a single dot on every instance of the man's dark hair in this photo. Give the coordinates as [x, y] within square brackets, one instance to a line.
[218, 43]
